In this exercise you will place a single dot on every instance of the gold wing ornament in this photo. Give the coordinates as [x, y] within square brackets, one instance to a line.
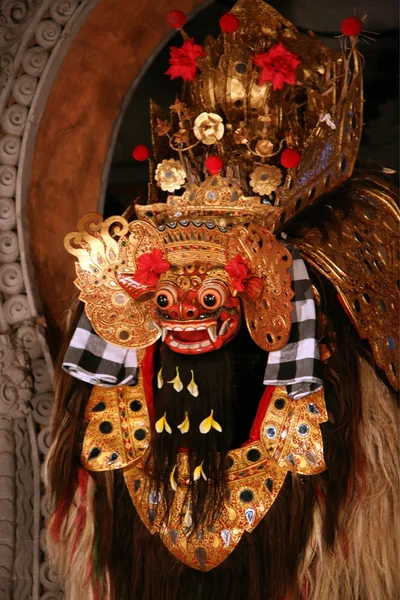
[107, 252]
[359, 256]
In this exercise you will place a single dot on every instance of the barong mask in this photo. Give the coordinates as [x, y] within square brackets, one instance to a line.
[270, 122]
[186, 282]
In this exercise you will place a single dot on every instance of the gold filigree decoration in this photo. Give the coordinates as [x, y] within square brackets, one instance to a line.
[118, 436]
[170, 175]
[265, 179]
[106, 250]
[254, 479]
[359, 255]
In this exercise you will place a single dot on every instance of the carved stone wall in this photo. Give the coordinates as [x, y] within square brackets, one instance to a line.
[34, 36]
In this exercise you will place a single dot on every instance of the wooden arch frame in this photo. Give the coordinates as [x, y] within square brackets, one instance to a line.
[78, 126]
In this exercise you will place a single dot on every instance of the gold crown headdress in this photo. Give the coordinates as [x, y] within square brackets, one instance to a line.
[281, 109]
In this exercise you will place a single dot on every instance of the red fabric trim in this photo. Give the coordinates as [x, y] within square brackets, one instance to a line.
[148, 374]
[262, 409]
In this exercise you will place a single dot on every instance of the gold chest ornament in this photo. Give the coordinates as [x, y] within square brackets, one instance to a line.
[118, 437]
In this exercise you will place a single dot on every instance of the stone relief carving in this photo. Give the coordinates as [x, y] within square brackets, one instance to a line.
[34, 35]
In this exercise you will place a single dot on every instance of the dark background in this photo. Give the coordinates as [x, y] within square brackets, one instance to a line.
[380, 141]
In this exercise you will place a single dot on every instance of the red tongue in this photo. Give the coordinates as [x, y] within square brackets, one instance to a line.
[190, 336]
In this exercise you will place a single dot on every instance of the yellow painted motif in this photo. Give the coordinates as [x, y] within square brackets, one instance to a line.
[162, 424]
[192, 387]
[199, 472]
[160, 379]
[185, 425]
[208, 423]
[177, 383]
[172, 480]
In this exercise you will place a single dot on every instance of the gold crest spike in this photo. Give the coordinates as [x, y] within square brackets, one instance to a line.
[176, 382]
[185, 425]
[172, 479]
[162, 424]
[209, 423]
[160, 379]
[199, 472]
[193, 387]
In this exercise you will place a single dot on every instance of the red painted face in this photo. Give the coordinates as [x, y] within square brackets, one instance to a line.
[195, 309]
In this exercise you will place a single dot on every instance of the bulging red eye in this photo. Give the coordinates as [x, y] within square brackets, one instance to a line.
[165, 296]
[212, 296]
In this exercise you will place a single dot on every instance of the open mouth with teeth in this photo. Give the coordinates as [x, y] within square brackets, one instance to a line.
[197, 337]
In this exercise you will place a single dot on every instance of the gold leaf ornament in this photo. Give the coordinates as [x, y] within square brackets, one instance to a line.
[162, 424]
[199, 472]
[176, 382]
[209, 423]
[185, 425]
[208, 128]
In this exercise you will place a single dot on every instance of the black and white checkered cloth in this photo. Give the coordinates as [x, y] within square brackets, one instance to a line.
[297, 365]
[95, 361]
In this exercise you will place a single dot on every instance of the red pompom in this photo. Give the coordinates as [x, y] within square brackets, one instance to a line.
[229, 23]
[214, 164]
[290, 158]
[141, 152]
[176, 18]
[351, 26]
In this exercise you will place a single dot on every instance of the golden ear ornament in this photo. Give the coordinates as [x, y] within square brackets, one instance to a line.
[106, 251]
[268, 316]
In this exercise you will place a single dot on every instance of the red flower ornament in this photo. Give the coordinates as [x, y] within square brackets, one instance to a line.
[183, 60]
[278, 66]
[238, 272]
[150, 266]
[229, 23]
[176, 18]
